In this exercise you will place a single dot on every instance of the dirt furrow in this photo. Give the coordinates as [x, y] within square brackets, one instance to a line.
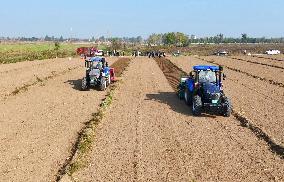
[260, 60]
[33, 74]
[256, 62]
[270, 77]
[39, 126]
[246, 94]
[275, 148]
[268, 57]
[150, 135]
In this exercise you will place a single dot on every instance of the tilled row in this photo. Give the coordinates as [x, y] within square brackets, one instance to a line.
[148, 134]
[39, 126]
[26, 86]
[172, 73]
[271, 58]
[280, 84]
[255, 62]
[85, 138]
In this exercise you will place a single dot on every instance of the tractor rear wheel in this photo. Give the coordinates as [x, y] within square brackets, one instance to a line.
[187, 97]
[227, 109]
[196, 105]
[103, 84]
[84, 85]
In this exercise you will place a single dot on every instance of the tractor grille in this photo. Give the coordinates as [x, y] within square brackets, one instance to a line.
[215, 96]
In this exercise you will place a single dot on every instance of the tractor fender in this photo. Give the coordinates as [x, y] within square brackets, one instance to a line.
[190, 85]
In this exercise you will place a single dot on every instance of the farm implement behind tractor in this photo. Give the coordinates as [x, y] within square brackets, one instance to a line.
[203, 90]
[89, 52]
[98, 74]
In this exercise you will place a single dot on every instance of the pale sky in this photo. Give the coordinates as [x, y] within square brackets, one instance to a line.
[88, 18]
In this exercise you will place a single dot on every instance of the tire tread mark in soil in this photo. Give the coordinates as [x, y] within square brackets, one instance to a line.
[243, 72]
[166, 66]
[254, 62]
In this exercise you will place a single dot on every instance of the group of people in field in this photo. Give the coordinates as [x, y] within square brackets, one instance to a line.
[150, 54]
[115, 53]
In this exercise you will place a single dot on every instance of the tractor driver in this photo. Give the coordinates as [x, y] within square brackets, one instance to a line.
[99, 65]
[207, 76]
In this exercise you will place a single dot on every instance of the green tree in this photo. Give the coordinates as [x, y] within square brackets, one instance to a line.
[169, 38]
[181, 39]
[244, 38]
[156, 39]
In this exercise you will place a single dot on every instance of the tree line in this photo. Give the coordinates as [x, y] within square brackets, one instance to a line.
[181, 39]
[170, 39]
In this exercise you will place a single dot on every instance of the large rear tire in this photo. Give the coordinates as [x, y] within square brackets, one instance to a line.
[103, 84]
[187, 97]
[196, 105]
[84, 85]
[227, 110]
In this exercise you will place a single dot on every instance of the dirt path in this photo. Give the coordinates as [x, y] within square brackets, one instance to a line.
[39, 126]
[150, 135]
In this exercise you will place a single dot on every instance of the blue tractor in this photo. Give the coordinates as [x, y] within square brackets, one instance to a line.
[203, 90]
[97, 74]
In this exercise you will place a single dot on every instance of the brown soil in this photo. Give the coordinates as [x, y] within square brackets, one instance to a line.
[40, 125]
[272, 75]
[259, 101]
[150, 135]
[120, 66]
[171, 71]
[264, 62]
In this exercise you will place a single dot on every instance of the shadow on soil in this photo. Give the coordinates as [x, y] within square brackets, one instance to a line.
[177, 105]
[75, 83]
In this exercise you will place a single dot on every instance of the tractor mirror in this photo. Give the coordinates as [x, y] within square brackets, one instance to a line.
[224, 76]
[191, 74]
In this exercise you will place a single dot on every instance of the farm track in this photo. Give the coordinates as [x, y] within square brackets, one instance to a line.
[148, 134]
[170, 70]
[39, 126]
[271, 81]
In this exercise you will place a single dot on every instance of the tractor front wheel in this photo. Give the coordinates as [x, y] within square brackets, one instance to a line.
[108, 80]
[227, 109]
[84, 85]
[197, 105]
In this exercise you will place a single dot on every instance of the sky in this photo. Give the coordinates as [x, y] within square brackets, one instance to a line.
[127, 18]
